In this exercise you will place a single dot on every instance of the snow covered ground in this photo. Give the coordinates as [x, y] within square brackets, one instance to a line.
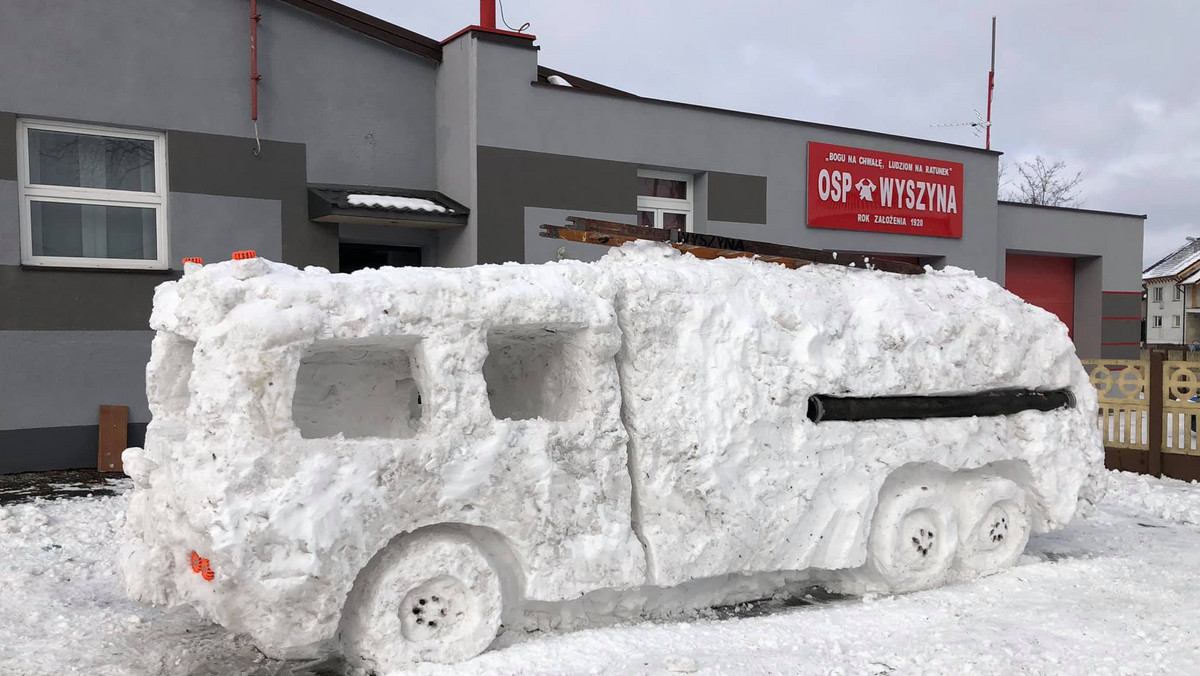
[1115, 593]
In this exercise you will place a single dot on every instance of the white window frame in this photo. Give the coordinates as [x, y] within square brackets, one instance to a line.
[1177, 294]
[1158, 294]
[1176, 322]
[659, 205]
[1156, 322]
[27, 193]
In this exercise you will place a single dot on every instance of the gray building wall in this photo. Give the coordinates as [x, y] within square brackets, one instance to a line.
[363, 109]
[334, 106]
[455, 104]
[539, 143]
[515, 114]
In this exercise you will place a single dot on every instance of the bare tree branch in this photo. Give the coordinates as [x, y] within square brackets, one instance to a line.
[1039, 181]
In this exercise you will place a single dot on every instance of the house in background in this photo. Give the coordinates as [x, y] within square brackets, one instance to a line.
[1172, 302]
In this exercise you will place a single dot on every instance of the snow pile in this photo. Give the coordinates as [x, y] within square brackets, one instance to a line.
[639, 421]
[1168, 499]
[1118, 574]
[62, 609]
[397, 202]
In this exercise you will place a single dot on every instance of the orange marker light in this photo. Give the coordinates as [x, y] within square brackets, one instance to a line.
[195, 561]
[244, 255]
[194, 259]
[206, 571]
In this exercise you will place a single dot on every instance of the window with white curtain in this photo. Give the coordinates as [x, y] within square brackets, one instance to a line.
[92, 196]
[664, 200]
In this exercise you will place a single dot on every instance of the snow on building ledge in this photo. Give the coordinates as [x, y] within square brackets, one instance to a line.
[384, 206]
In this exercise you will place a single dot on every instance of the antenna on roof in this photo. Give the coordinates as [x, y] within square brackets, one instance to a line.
[981, 124]
[977, 126]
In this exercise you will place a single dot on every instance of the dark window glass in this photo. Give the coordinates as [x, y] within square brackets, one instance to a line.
[662, 187]
[673, 221]
[92, 231]
[90, 161]
[646, 219]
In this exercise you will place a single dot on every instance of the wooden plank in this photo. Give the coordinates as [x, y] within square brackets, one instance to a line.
[1183, 467]
[708, 253]
[1125, 459]
[1156, 419]
[723, 243]
[114, 431]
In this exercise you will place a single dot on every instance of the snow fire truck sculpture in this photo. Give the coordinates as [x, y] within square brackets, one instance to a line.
[397, 464]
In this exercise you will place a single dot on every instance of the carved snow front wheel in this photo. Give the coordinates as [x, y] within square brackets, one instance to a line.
[914, 533]
[995, 524]
[433, 597]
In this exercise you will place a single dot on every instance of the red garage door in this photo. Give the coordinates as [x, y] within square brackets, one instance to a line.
[1045, 281]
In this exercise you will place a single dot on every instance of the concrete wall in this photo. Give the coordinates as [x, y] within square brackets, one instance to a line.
[455, 104]
[513, 114]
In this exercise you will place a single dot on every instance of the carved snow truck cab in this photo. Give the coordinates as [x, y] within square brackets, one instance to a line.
[401, 464]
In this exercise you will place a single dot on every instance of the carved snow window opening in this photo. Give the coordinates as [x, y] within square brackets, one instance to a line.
[359, 390]
[533, 371]
[169, 378]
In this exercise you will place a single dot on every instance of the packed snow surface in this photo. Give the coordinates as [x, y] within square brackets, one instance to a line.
[637, 423]
[1113, 594]
[397, 202]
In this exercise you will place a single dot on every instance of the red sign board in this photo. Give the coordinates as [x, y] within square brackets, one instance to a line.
[857, 189]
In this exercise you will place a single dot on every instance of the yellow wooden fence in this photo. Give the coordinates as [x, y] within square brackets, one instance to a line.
[1181, 382]
[1128, 409]
[1122, 387]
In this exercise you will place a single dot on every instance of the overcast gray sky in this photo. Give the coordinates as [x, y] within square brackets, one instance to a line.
[1108, 86]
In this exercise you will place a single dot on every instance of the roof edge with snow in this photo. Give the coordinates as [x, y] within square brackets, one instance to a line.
[372, 205]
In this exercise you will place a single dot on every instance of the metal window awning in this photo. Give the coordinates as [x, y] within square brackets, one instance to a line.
[372, 205]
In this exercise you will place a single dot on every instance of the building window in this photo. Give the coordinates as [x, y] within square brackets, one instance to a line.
[92, 196]
[1156, 321]
[1175, 321]
[664, 200]
[1158, 295]
[1178, 293]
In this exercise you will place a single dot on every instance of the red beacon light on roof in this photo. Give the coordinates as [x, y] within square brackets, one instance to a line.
[244, 255]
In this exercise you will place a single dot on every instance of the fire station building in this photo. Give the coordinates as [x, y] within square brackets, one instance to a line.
[135, 133]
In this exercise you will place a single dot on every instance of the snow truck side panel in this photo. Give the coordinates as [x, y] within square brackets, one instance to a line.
[326, 415]
[731, 476]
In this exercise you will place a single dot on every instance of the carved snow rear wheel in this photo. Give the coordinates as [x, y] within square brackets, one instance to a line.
[914, 534]
[434, 597]
[995, 524]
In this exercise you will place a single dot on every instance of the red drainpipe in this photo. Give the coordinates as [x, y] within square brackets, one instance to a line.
[487, 13]
[255, 17]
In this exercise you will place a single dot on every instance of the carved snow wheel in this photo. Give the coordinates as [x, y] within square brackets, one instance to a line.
[994, 516]
[433, 597]
[914, 533]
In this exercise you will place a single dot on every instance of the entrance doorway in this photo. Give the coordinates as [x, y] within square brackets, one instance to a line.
[353, 257]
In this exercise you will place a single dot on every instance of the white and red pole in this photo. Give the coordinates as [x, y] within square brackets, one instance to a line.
[991, 86]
